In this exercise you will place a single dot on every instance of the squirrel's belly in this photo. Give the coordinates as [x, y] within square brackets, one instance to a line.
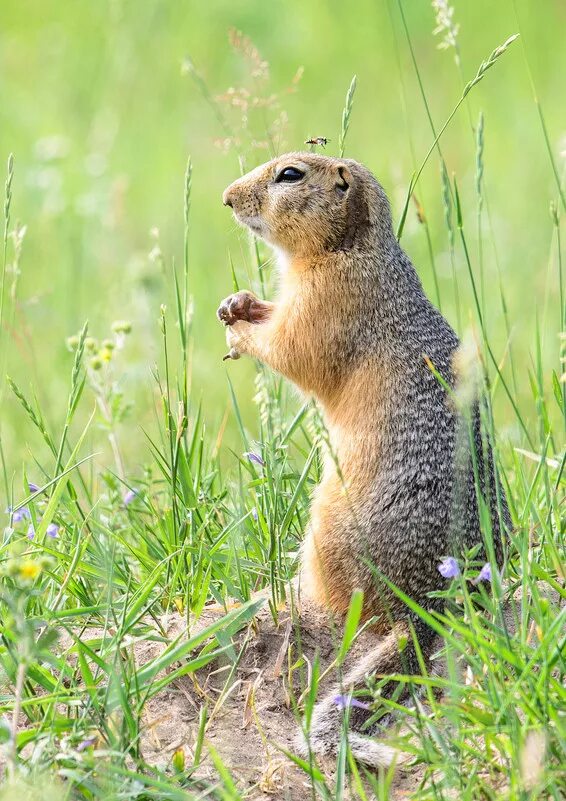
[330, 572]
[330, 565]
[326, 575]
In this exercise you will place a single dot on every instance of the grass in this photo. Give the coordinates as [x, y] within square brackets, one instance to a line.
[164, 512]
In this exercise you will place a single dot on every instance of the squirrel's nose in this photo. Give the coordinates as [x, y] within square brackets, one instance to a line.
[227, 198]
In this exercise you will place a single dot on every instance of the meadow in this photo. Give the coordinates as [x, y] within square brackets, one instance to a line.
[150, 490]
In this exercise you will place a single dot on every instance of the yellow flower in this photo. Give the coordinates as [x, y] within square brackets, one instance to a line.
[29, 569]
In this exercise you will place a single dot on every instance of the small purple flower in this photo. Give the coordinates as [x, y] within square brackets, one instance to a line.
[449, 567]
[52, 530]
[86, 743]
[31, 532]
[20, 514]
[129, 496]
[343, 701]
[484, 574]
[254, 513]
[33, 487]
[254, 458]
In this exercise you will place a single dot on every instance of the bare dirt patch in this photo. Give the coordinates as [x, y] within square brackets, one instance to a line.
[251, 715]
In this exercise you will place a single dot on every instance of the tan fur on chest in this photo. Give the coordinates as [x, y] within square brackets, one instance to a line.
[327, 575]
[355, 418]
[328, 551]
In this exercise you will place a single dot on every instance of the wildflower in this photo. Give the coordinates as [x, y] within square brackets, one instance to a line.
[20, 514]
[52, 530]
[73, 342]
[91, 344]
[129, 496]
[86, 743]
[255, 458]
[96, 363]
[29, 569]
[254, 513]
[105, 354]
[31, 532]
[343, 701]
[108, 344]
[449, 567]
[484, 574]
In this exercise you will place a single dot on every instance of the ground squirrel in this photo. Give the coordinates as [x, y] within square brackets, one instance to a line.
[352, 327]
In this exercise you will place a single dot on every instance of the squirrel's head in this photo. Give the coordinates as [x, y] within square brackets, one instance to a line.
[307, 204]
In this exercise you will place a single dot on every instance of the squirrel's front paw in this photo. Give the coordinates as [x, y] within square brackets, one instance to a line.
[244, 306]
[239, 306]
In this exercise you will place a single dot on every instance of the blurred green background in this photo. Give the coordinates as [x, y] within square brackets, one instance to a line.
[101, 115]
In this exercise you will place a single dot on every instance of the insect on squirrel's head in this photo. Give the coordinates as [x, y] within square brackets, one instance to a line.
[305, 203]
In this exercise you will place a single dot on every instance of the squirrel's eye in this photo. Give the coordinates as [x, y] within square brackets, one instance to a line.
[289, 175]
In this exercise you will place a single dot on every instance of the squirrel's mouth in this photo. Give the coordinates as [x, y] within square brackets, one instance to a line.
[255, 224]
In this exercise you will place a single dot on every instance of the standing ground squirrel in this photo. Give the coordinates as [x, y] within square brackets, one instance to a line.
[353, 328]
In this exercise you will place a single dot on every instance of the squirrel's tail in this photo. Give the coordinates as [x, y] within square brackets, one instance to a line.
[395, 653]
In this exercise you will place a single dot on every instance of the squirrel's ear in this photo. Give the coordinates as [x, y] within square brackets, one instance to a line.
[343, 177]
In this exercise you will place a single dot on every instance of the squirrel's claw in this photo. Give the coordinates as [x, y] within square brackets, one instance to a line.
[232, 354]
